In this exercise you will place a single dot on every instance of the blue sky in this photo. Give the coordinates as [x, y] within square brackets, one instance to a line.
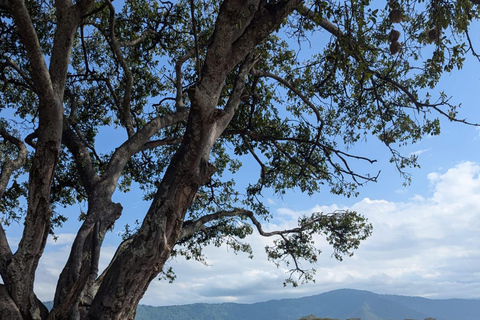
[425, 241]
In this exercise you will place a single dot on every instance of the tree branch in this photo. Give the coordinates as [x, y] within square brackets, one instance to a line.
[138, 40]
[125, 111]
[236, 95]
[191, 227]
[178, 80]
[138, 143]
[11, 165]
[335, 31]
[13, 65]
[292, 88]
[81, 156]
[5, 256]
[40, 74]
[8, 309]
[321, 21]
[162, 142]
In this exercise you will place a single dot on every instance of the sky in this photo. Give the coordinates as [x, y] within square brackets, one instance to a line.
[425, 242]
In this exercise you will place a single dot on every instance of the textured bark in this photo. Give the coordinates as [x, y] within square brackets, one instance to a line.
[76, 286]
[8, 308]
[49, 86]
[129, 275]
[238, 30]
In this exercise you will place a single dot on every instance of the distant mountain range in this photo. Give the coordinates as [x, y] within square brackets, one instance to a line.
[339, 304]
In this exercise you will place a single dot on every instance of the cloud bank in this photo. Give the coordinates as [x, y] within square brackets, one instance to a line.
[426, 246]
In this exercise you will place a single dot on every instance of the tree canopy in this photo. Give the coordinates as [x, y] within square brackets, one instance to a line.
[193, 88]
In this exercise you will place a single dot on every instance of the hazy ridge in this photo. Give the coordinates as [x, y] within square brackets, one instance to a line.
[341, 304]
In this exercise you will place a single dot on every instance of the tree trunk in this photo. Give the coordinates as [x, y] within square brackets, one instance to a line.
[74, 291]
[130, 274]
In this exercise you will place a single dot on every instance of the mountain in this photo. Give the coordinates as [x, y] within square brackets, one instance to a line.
[340, 304]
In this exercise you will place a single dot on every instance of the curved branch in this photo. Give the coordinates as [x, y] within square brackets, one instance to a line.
[125, 111]
[178, 81]
[335, 31]
[190, 227]
[11, 165]
[292, 88]
[13, 65]
[138, 40]
[138, 142]
[80, 154]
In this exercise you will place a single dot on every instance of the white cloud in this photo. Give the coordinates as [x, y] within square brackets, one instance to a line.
[419, 152]
[426, 246]
[54, 259]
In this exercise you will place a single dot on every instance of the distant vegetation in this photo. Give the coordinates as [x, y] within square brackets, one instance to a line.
[312, 317]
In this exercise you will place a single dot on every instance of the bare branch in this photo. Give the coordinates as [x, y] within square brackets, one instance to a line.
[470, 43]
[420, 105]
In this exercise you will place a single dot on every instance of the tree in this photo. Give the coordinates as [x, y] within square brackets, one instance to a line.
[195, 87]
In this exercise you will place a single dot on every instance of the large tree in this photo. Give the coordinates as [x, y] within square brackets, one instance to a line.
[194, 87]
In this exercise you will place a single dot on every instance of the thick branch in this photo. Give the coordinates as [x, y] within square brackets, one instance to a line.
[138, 142]
[8, 309]
[239, 28]
[178, 81]
[81, 156]
[11, 165]
[40, 74]
[322, 22]
[5, 256]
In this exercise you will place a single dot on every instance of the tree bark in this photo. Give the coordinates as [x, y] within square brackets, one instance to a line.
[128, 277]
[49, 86]
[8, 308]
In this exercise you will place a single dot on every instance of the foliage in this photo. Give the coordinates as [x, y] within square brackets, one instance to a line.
[192, 89]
